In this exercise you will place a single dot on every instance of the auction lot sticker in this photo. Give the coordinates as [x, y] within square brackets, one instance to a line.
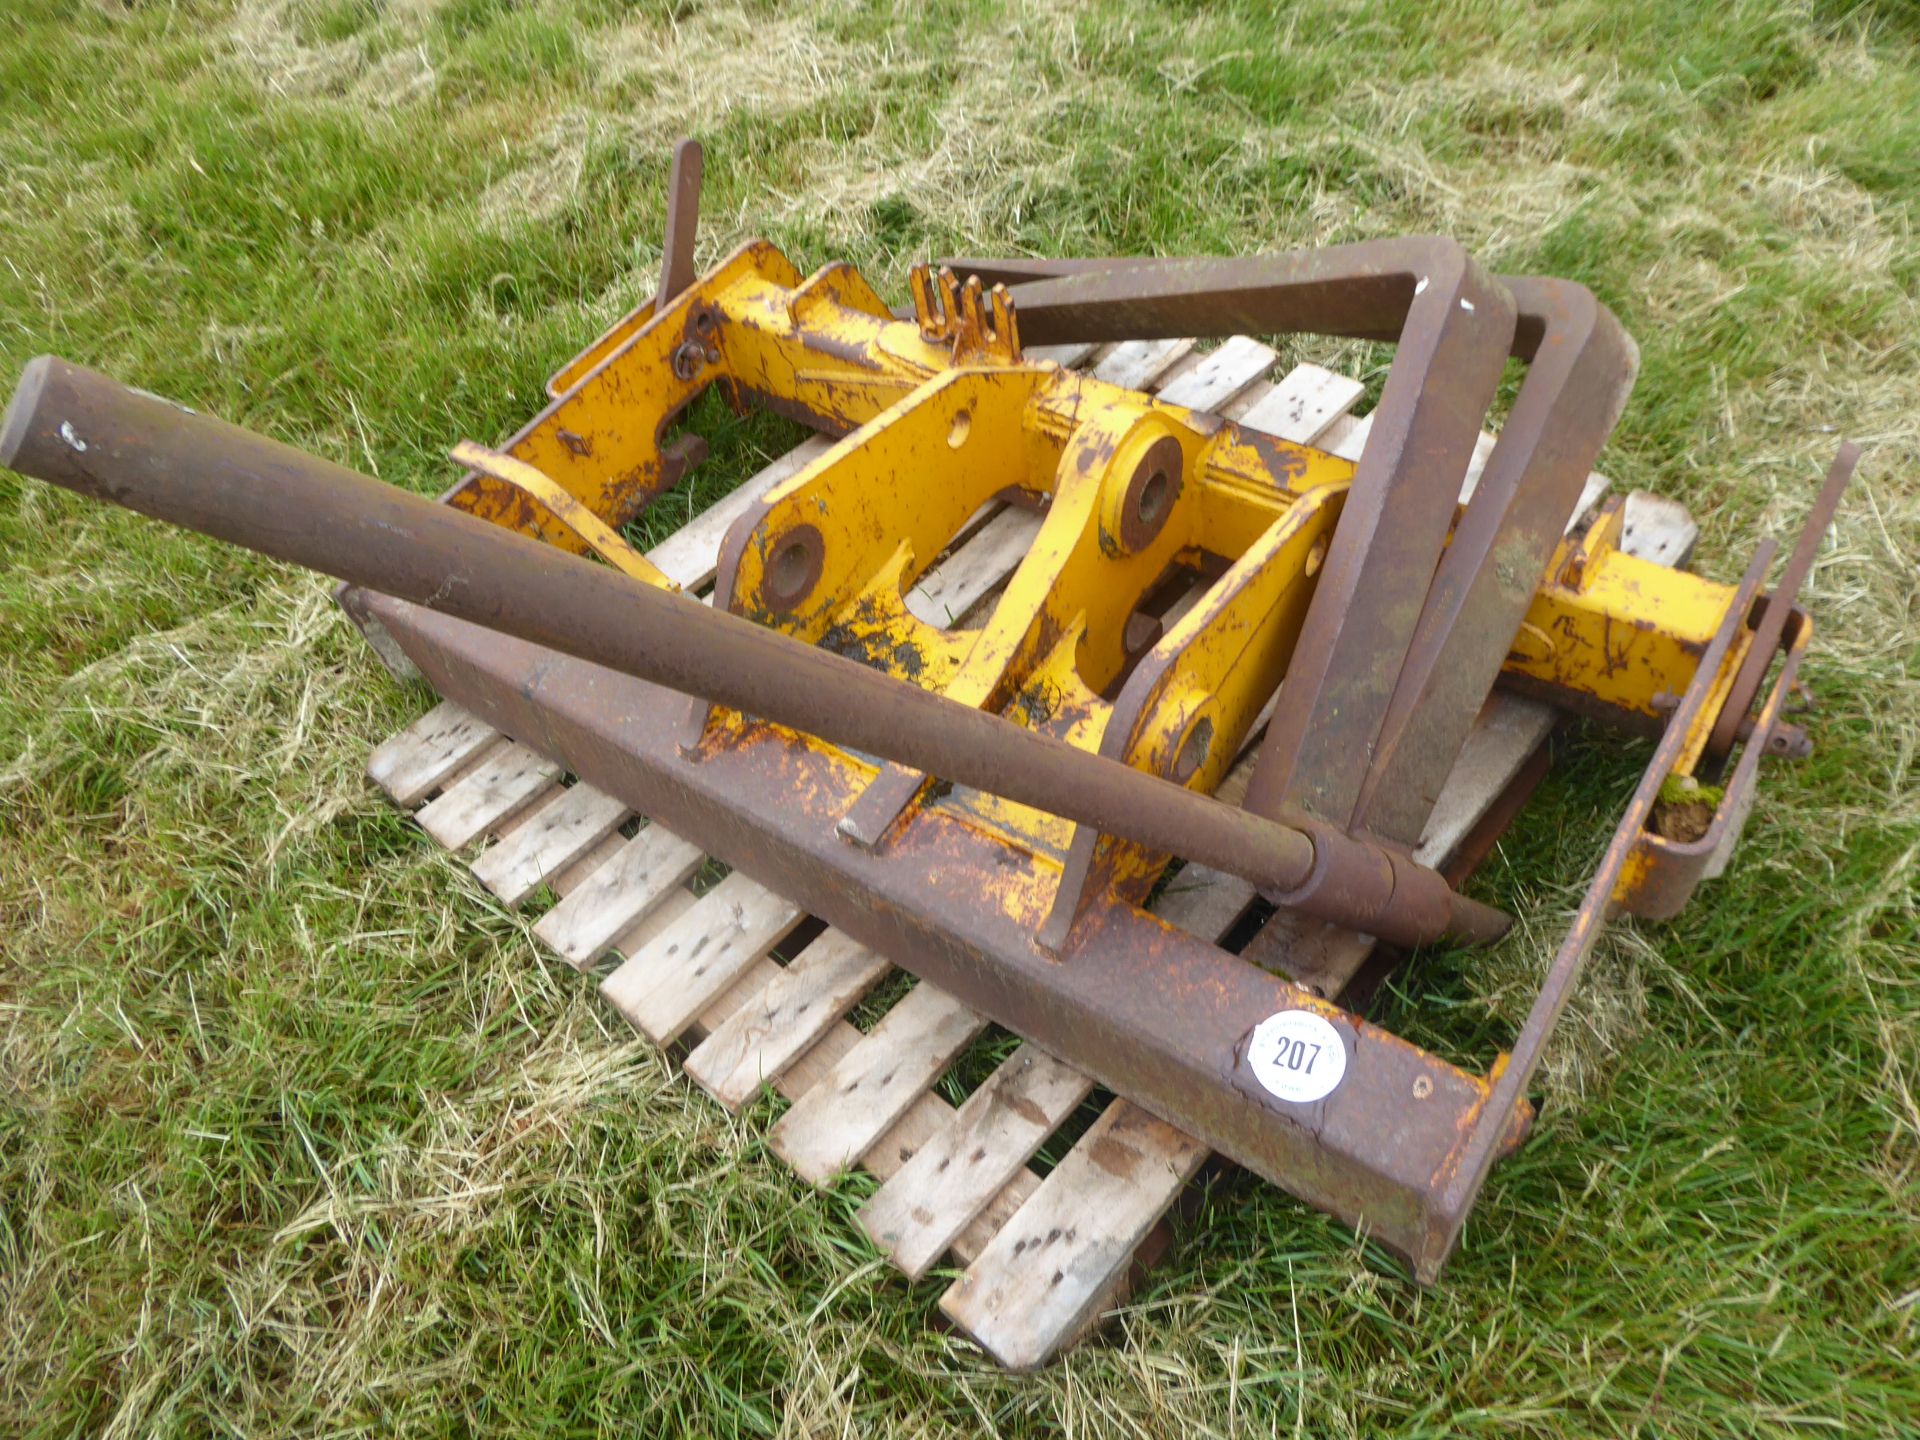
[1298, 1055]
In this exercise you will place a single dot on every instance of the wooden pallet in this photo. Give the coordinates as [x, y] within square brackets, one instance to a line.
[1040, 1256]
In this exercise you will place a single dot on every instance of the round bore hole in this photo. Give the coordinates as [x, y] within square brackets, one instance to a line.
[961, 428]
[793, 566]
[703, 322]
[1155, 496]
[1193, 751]
[789, 569]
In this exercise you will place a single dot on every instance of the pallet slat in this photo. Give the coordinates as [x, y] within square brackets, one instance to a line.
[1657, 529]
[576, 820]
[663, 987]
[1303, 404]
[582, 927]
[410, 765]
[1133, 363]
[853, 1104]
[688, 556]
[1065, 356]
[757, 1042]
[915, 1215]
[1047, 1272]
[956, 585]
[488, 795]
[1220, 374]
[1507, 732]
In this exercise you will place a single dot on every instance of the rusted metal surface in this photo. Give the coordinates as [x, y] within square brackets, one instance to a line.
[1581, 368]
[75, 428]
[1483, 1140]
[1666, 872]
[683, 221]
[1454, 325]
[1147, 1010]
[1773, 620]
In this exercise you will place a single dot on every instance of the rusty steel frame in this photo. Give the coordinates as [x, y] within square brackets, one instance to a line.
[1468, 601]
[582, 663]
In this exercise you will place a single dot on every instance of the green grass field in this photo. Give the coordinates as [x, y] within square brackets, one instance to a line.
[300, 1134]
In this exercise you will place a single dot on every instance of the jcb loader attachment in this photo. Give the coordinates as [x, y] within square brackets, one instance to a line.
[992, 800]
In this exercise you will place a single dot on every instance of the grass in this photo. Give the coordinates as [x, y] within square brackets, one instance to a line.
[299, 1134]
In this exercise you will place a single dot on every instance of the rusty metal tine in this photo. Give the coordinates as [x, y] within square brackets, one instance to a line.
[76, 428]
[1581, 368]
[1483, 1142]
[1015, 272]
[1454, 325]
[1773, 619]
[683, 222]
[1361, 291]
[1391, 535]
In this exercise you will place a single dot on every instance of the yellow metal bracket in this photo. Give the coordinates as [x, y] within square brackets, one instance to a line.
[569, 510]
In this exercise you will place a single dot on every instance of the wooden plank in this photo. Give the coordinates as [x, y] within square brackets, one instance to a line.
[1590, 493]
[1204, 901]
[1065, 356]
[1134, 363]
[1347, 437]
[768, 1032]
[951, 588]
[502, 785]
[1655, 528]
[411, 764]
[930, 1199]
[577, 820]
[1042, 1277]
[1507, 731]
[666, 912]
[926, 1117]
[566, 881]
[1221, 374]
[1482, 452]
[663, 986]
[687, 557]
[582, 927]
[1303, 404]
[1197, 908]
[841, 1117]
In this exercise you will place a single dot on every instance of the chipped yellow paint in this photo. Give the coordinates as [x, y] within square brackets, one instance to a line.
[562, 505]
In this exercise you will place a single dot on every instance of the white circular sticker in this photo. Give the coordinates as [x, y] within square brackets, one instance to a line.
[1298, 1055]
